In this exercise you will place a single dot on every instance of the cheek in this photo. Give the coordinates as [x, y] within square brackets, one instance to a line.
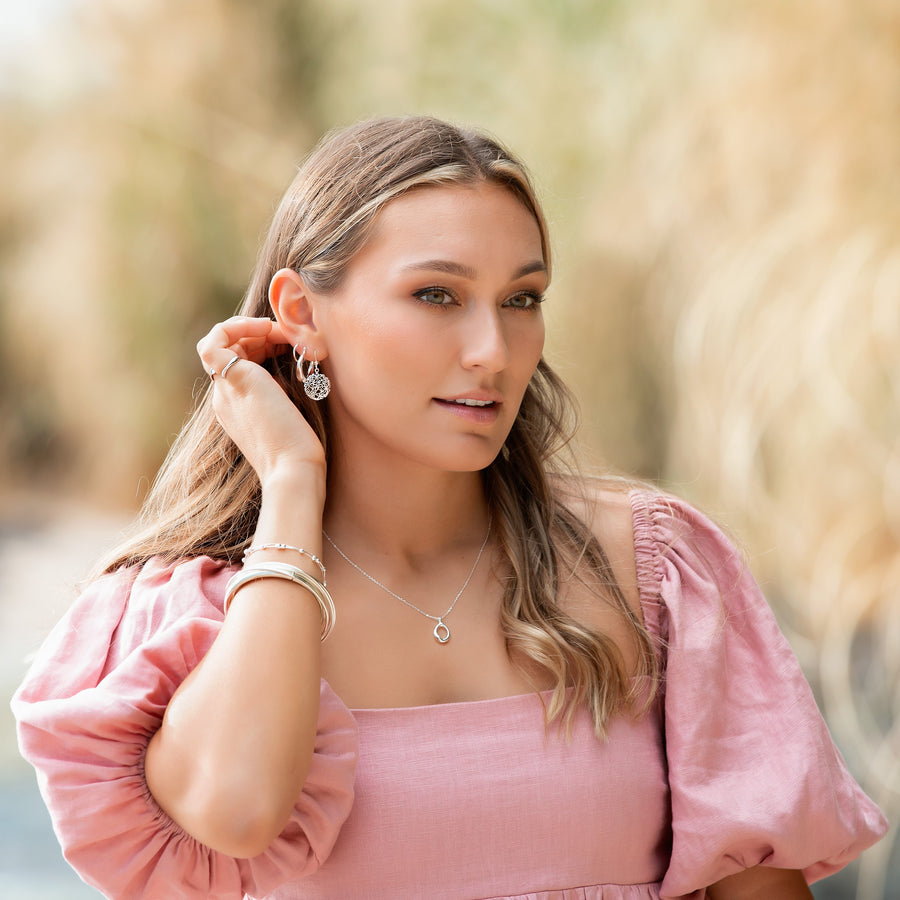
[371, 347]
[531, 346]
[539, 341]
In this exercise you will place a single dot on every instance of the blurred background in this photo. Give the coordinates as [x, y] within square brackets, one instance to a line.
[722, 182]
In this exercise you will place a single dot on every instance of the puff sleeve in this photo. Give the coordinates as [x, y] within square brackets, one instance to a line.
[755, 778]
[93, 698]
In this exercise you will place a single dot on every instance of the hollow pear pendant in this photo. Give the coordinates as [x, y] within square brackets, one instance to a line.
[441, 632]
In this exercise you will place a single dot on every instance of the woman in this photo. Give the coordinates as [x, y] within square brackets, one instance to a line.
[537, 686]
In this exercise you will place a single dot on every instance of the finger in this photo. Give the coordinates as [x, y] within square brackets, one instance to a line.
[278, 337]
[224, 368]
[239, 336]
[228, 366]
[214, 361]
[258, 349]
[234, 330]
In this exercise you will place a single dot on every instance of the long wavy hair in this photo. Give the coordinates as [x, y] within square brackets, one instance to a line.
[206, 497]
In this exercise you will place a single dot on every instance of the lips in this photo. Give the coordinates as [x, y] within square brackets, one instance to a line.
[481, 410]
[474, 399]
[481, 403]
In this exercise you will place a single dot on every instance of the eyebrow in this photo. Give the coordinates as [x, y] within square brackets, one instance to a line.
[455, 268]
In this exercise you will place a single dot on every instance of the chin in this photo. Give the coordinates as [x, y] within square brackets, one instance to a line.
[472, 462]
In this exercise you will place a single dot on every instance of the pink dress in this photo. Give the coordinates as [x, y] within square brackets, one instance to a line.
[732, 767]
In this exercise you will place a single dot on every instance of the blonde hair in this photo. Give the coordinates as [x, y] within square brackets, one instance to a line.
[206, 498]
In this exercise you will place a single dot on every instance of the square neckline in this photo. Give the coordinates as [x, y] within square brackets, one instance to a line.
[450, 704]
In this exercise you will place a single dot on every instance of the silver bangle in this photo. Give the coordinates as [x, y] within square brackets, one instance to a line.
[249, 551]
[254, 571]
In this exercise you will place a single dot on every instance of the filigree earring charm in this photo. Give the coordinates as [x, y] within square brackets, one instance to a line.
[316, 385]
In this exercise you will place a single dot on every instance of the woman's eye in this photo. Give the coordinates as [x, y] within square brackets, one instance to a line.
[524, 301]
[435, 297]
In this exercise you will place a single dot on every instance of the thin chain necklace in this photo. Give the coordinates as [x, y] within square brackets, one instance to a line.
[441, 631]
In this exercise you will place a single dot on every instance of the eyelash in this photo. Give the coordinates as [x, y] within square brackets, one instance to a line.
[536, 298]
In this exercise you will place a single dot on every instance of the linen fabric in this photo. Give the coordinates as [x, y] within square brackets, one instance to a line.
[730, 768]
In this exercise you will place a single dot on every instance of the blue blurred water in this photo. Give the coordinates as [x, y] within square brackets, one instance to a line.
[45, 549]
[31, 864]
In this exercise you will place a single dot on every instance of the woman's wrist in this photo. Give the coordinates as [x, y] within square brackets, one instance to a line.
[293, 501]
[300, 483]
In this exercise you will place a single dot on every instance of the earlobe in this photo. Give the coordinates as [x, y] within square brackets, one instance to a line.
[295, 309]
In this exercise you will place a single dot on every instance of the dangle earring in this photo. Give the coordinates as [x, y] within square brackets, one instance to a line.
[315, 383]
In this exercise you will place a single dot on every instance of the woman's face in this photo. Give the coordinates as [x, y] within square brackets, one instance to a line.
[437, 328]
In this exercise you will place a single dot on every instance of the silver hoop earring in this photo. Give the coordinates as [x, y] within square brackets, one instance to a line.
[299, 362]
[316, 384]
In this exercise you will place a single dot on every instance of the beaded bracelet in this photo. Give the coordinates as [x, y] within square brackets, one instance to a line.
[254, 571]
[249, 551]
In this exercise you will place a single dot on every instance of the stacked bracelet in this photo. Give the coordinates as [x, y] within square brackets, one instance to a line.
[255, 549]
[254, 571]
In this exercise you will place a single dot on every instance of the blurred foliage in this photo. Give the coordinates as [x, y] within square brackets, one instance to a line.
[723, 188]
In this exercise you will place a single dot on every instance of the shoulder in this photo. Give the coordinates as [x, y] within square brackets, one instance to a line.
[165, 596]
[648, 535]
[133, 621]
[605, 506]
[676, 541]
[122, 610]
[160, 590]
[193, 584]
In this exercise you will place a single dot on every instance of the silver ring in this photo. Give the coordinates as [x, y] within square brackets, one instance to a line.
[229, 364]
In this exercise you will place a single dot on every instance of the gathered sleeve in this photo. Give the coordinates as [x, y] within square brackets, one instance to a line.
[755, 777]
[96, 694]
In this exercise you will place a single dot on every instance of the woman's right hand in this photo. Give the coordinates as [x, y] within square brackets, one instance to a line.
[251, 406]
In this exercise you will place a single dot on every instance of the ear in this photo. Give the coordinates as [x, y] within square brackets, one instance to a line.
[296, 308]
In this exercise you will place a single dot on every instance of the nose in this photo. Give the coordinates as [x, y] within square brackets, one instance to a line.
[485, 344]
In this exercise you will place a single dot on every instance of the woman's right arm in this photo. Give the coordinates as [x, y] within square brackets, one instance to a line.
[237, 738]
[231, 756]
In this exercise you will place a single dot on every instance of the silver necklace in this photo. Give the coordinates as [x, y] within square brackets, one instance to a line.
[441, 631]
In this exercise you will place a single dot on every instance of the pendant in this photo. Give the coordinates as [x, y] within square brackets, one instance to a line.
[441, 632]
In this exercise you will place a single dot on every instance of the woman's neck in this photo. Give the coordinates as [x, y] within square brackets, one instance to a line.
[408, 512]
